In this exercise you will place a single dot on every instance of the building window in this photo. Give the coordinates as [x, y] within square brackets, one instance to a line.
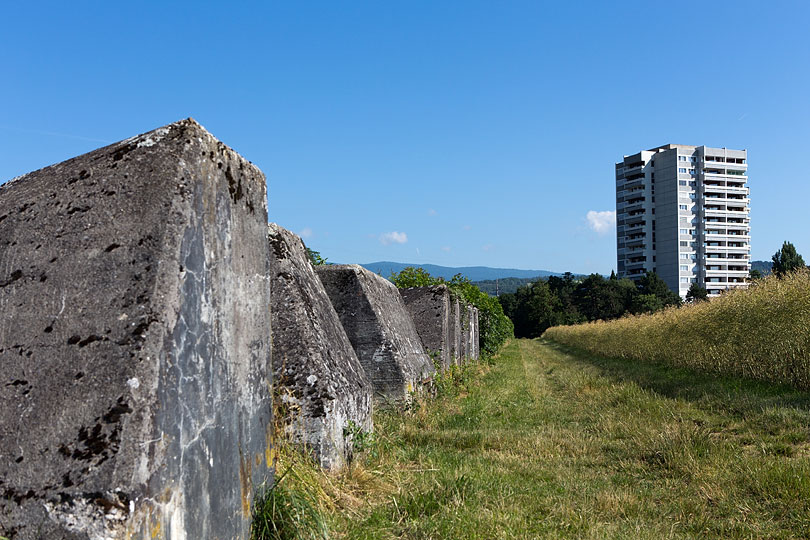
[684, 280]
[685, 256]
[684, 268]
[681, 170]
[681, 182]
[691, 171]
[681, 158]
[691, 195]
[693, 159]
[683, 207]
[684, 244]
[684, 231]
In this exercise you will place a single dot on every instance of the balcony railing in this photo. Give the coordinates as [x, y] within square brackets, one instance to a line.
[726, 272]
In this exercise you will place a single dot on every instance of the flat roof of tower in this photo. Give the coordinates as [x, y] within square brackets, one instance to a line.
[671, 146]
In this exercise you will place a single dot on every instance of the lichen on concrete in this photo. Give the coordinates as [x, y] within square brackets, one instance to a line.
[135, 342]
[379, 328]
[432, 314]
[457, 350]
[320, 384]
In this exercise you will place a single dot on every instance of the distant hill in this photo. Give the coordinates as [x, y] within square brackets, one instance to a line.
[473, 273]
[762, 266]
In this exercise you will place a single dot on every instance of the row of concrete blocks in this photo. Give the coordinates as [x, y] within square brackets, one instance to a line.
[344, 338]
[140, 301]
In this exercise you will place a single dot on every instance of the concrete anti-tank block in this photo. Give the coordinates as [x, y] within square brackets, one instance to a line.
[472, 333]
[135, 342]
[318, 377]
[432, 314]
[457, 352]
[379, 328]
[476, 345]
[464, 333]
[464, 312]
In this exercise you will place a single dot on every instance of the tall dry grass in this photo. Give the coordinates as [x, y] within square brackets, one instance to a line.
[761, 333]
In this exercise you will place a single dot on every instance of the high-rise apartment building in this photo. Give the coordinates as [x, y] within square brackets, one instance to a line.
[683, 212]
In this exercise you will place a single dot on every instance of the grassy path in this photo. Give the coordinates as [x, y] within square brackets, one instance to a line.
[551, 444]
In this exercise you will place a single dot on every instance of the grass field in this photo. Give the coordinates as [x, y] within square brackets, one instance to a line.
[548, 443]
[761, 333]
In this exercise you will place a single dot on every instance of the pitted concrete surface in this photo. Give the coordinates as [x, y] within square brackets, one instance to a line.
[464, 316]
[457, 353]
[476, 343]
[471, 335]
[320, 383]
[430, 309]
[379, 328]
[135, 342]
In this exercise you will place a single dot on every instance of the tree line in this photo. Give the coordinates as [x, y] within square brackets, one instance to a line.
[566, 300]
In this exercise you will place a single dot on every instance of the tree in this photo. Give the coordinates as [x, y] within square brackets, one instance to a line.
[563, 288]
[622, 293]
[414, 277]
[509, 304]
[651, 284]
[591, 297]
[754, 274]
[315, 258]
[696, 293]
[646, 303]
[786, 260]
[532, 308]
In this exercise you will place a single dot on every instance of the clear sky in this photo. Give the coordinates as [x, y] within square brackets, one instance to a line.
[454, 133]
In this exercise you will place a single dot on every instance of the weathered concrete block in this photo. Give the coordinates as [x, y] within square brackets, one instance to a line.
[457, 348]
[135, 342]
[465, 333]
[464, 312]
[472, 333]
[430, 309]
[379, 328]
[476, 344]
[317, 374]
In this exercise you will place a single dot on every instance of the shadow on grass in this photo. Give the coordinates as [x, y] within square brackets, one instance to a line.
[734, 395]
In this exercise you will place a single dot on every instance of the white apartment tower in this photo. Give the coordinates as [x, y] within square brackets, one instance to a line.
[683, 212]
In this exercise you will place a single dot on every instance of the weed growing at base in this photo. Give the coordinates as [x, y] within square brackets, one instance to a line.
[286, 511]
[761, 333]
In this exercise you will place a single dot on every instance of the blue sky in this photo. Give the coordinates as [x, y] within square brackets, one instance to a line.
[454, 133]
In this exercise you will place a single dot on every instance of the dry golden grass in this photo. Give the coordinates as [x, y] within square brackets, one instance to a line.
[760, 333]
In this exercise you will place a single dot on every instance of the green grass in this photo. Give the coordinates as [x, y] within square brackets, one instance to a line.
[550, 443]
[288, 511]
